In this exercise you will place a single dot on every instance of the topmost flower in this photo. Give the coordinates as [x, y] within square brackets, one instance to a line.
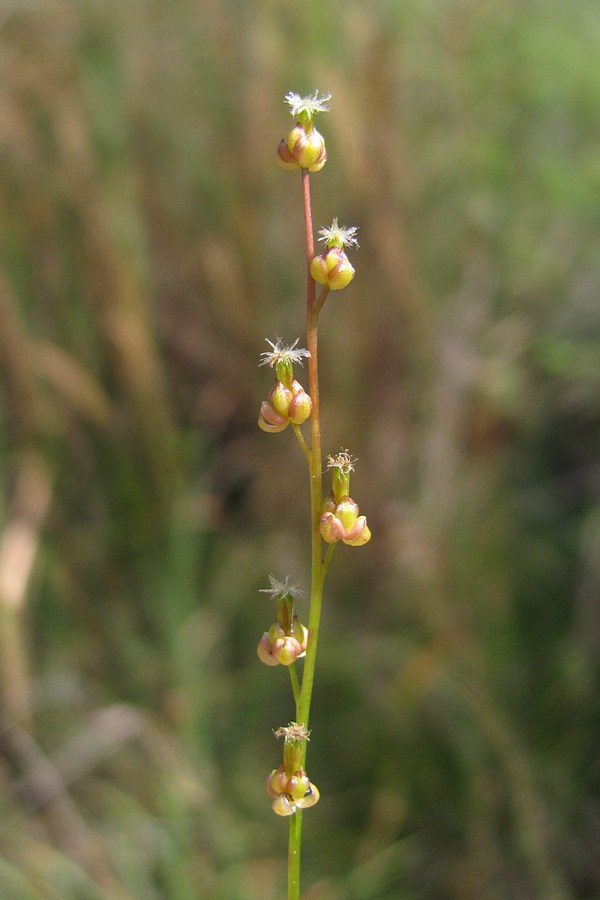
[303, 108]
[304, 147]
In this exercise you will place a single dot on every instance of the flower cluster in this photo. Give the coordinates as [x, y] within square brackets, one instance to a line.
[286, 639]
[341, 522]
[333, 267]
[289, 786]
[304, 147]
[291, 792]
[340, 519]
[280, 647]
[287, 401]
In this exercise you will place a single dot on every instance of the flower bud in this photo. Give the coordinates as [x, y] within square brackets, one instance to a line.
[300, 406]
[269, 420]
[362, 532]
[285, 159]
[310, 798]
[331, 528]
[341, 522]
[347, 512]
[332, 268]
[287, 650]
[283, 805]
[298, 784]
[307, 146]
[278, 647]
[277, 782]
[280, 398]
[264, 651]
[285, 405]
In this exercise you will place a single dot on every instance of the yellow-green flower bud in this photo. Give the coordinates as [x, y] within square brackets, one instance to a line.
[347, 512]
[280, 398]
[307, 146]
[310, 798]
[283, 805]
[298, 784]
[332, 268]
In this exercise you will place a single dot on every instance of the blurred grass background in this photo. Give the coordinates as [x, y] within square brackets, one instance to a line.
[148, 245]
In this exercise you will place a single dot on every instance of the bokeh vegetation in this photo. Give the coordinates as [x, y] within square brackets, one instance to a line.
[148, 245]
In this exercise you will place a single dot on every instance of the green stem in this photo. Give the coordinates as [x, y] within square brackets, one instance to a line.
[295, 682]
[294, 855]
[302, 442]
[319, 566]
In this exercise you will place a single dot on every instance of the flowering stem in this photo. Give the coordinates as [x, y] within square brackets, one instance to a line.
[318, 565]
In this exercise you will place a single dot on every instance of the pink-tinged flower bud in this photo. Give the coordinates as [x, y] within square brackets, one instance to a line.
[331, 528]
[286, 650]
[264, 651]
[284, 805]
[362, 532]
[332, 268]
[310, 798]
[269, 420]
[298, 784]
[277, 647]
[277, 782]
[269, 784]
[300, 406]
[285, 159]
